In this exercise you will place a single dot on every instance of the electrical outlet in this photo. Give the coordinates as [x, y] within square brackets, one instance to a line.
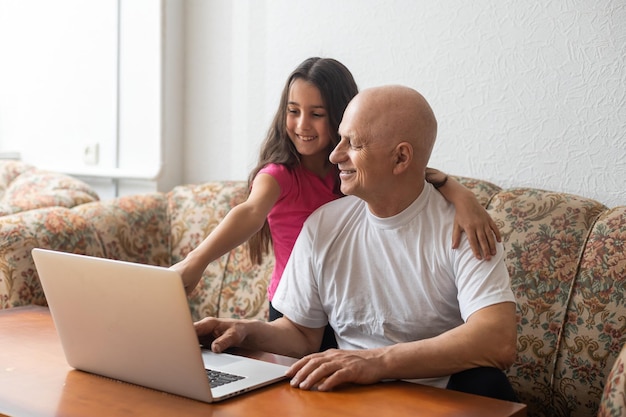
[90, 155]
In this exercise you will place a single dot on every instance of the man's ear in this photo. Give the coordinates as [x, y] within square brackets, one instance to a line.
[403, 155]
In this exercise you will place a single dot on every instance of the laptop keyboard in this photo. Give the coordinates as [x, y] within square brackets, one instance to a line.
[219, 378]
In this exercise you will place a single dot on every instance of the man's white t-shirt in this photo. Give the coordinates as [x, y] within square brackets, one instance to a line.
[382, 281]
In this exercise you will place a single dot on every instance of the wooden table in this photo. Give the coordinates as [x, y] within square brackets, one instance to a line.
[35, 380]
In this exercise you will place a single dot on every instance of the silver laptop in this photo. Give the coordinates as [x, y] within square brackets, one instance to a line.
[131, 322]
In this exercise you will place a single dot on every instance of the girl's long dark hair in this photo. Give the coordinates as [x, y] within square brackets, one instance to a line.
[337, 87]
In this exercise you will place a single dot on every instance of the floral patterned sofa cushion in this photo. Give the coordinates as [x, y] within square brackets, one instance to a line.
[24, 187]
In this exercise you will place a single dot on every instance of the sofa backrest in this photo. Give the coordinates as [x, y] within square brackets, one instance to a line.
[231, 286]
[134, 228]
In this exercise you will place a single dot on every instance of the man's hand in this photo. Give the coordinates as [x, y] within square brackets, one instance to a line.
[326, 370]
[224, 332]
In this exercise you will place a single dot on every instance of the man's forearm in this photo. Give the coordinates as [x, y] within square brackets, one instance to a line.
[282, 337]
[489, 340]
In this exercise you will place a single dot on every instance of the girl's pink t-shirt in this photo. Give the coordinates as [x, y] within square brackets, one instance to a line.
[301, 193]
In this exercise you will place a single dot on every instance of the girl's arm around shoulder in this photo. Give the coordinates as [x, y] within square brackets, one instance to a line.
[470, 217]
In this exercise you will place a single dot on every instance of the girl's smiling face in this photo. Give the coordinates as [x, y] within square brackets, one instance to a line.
[308, 125]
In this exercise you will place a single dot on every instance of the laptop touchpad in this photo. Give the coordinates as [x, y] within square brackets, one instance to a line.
[213, 360]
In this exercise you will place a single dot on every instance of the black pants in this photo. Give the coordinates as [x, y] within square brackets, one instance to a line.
[328, 341]
[488, 382]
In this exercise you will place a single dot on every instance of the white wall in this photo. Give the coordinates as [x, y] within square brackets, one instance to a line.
[527, 93]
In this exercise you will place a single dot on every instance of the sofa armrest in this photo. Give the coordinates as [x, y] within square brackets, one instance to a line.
[56, 228]
[133, 228]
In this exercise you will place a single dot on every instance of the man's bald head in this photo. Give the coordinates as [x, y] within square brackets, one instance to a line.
[387, 135]
[397, 114]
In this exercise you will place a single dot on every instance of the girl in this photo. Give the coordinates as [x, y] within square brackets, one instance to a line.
[294, 177]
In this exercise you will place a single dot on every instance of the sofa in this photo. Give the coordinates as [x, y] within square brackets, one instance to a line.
[565, 254]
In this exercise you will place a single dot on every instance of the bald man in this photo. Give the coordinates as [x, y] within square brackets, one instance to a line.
[378, 266]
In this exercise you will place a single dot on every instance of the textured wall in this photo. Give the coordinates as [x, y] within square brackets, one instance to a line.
[527, 93]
